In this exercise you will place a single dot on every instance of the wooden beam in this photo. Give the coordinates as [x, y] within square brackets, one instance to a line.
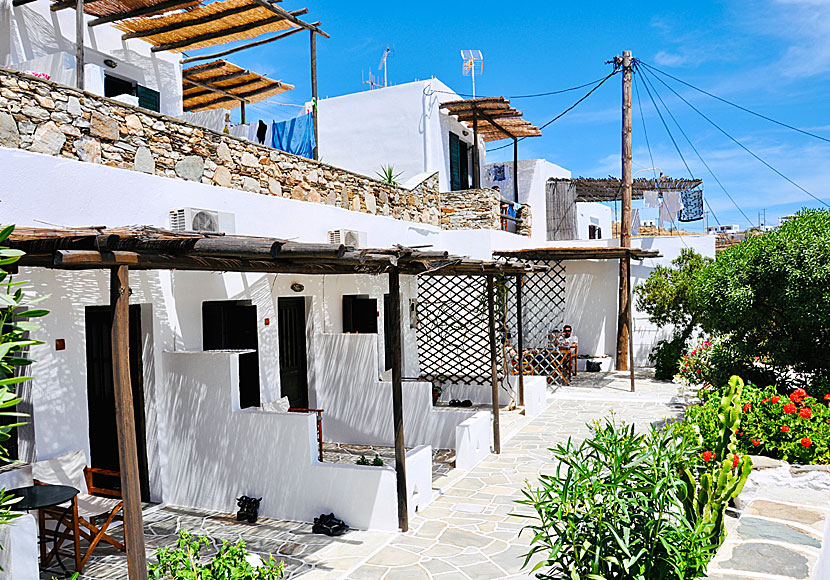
[226, 90]
[143, 11]
[17, 3]
[494, 374]
[63, 4]
[397, 395]
[233, 97]
[203, 68]
[316, 150]
[242, 47]
[218, 79]
[520, 339]
[230, 31]
[79, 44]
[290, 17]
[125, 421]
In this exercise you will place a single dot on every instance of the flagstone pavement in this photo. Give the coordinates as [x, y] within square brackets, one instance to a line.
[469, 532]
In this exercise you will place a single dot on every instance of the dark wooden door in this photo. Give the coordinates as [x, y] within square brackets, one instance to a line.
[293, 367]
[103, 434]
[232, 324]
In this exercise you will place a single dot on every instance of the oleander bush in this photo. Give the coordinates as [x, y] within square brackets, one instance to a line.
[184, 561]
[632, 506]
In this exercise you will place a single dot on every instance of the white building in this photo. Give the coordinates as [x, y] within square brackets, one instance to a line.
[724, 229]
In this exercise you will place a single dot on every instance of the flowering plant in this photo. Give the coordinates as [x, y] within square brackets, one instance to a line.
[696, 364]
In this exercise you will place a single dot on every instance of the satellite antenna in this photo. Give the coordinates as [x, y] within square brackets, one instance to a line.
[472, 61]
[382, 65]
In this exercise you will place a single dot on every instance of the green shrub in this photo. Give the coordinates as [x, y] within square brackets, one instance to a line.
[794, 428]
[666, 356]
[185, 562]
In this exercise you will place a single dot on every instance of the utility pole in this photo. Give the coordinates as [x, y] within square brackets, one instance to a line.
[624, 318]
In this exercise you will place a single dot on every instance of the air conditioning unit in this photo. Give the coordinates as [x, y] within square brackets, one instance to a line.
[193, 219]
[351, 238]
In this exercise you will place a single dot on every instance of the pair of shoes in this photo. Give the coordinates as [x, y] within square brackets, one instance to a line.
[248, 509]
[329, 525]
[454, 403]
[457, 403]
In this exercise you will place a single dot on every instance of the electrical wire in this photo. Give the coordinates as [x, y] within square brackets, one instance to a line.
[566, 111]
[742, 146]
[737, 106]
[529, 96]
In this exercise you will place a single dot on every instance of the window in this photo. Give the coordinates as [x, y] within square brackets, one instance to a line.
[147, 98]
[459, 168]
[360, 314]
[594, 232]
[232, 324]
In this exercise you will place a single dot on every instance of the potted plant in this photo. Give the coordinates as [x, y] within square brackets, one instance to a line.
[436, 393]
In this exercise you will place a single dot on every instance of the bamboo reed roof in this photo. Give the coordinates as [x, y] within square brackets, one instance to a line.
[150, 248]
[219, 22]
[494, 117]
[610, 188]
[103, 8]
[220, 84]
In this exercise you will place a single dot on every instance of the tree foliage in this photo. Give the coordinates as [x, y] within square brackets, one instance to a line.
[771, 295]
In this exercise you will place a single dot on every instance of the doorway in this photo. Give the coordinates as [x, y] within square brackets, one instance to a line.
[103, 434]
[293, 357]
[232, 325]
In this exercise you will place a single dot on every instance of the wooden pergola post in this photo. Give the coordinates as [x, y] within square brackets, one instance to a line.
[79, 44]
[125, 421]
[242, 111]
[515, 170]
[520, 342]
[397, 394]
[494, 373]
[476, 171]
[316, 152]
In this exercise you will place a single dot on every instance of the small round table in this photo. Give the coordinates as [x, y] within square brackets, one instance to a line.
[37, 497]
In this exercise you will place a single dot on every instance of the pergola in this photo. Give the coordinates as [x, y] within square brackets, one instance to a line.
[123, 249]
[493, 118]
[610, 188]
[220, 84]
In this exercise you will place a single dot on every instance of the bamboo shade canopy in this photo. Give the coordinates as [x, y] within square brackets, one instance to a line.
[219, 22]
[101, 8]
[228, 79]
[494, 116]
[610, 188]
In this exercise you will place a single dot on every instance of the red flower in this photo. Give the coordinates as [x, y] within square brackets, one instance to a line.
[785, 428]
[827, 397]
[756, 442]
[806, 442]
[746, 407]
[806, 412]
[735, 461]
[765, 400]
[798, 395]
[707, 456]
[775, 399]
[789, 408]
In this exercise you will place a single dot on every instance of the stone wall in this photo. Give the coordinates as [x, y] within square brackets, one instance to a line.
[45, 117]
[478, 209]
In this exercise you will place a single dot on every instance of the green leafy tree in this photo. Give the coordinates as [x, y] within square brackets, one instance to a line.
[771, 296]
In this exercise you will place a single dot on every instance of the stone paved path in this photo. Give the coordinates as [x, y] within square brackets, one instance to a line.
[470, 532]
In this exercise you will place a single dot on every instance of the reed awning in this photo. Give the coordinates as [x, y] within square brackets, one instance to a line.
[494, 117]
[219, 22]
[221, 84]
[113, 10]
[610, 188]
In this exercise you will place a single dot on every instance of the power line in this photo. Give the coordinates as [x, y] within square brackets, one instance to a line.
[529, 96]
[569, 109]
[741, 145]
[737, 106]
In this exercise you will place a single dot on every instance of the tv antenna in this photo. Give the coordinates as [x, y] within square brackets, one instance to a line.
[472, 61]
[372, 81]
[382, 65]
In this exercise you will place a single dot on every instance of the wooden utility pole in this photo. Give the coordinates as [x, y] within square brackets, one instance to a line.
[315, 153]
[79, 44]
[125, 422]
[623, 320]
[397, 394]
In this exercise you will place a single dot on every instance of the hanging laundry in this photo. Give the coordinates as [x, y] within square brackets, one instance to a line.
[672, 201]
[692, 205]
[295, 136]
[240, 130]
[499, 175]
[635, 222]
[651, 198]
[666, 220]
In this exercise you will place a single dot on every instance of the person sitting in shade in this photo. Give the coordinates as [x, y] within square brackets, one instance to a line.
[568, 340]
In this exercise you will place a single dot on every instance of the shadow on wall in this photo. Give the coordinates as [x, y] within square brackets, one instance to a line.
[591, 304]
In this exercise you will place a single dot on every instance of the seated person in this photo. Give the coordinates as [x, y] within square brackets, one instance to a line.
[567, 340]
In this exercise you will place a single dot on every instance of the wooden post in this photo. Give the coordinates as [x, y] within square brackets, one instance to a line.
[521, 339]
[631, 343]
[242, 112]
[125, 421]
[315, 152]
[79, 44]
[494, 373]
[476, 172]
[515, 170]
[397, 395]
[623, 328]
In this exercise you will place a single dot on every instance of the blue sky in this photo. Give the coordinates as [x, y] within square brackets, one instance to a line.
[772, 57]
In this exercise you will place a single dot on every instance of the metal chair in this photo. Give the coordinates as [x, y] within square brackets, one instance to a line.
[71, 469]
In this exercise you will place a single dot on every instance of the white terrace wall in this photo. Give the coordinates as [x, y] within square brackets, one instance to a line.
[36, 39]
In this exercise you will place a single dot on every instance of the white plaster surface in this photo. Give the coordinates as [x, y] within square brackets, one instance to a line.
[536, 394]
[19, 556]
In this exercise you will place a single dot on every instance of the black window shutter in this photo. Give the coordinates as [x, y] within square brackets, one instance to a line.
[148, 99]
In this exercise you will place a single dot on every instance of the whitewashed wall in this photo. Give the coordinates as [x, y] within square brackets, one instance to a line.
[593, 213]
[34, 38]
[400, 125]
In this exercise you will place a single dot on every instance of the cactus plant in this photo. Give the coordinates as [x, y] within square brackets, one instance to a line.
[705, 503]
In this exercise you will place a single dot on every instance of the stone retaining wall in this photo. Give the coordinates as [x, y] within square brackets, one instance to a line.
[478, 209]
[45, 117]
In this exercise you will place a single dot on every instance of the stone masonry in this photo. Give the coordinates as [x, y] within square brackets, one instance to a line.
[477, 209]
[45, 117]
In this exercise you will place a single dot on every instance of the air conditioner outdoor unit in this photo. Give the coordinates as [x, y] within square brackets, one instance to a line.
[193, 219]
[351, 238]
